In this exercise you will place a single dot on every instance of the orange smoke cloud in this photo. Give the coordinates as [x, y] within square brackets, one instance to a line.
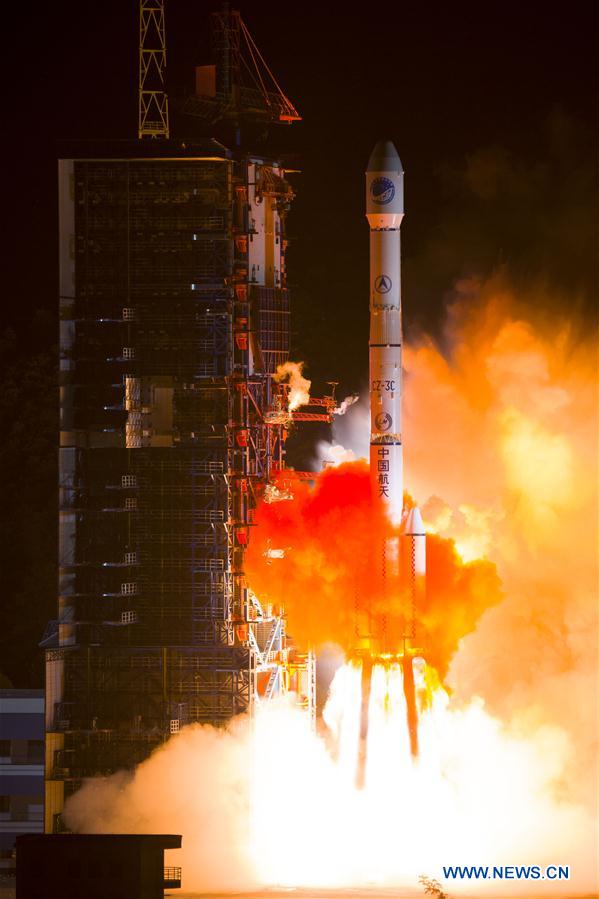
[457, 594]
[332, 537]
[514, 403]
[501, 454]
[500, 436]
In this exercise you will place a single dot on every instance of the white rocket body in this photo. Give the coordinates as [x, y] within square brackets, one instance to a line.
[384, 211]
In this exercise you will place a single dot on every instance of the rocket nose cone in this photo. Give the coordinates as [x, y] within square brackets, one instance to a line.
[413, 525]
[384, 158]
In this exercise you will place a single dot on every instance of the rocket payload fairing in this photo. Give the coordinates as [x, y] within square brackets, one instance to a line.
[384, 211]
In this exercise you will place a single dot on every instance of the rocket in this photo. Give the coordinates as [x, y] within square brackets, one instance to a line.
[405, 554]
[385, 211]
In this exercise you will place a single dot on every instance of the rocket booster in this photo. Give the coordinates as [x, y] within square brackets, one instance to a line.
[384, 211]
[413, 567]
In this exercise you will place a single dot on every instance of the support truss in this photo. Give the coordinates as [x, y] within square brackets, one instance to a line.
[153, 99]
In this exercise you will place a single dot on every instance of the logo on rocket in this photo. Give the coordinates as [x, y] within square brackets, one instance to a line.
[383, 421]
[383, 284]
[382, 191]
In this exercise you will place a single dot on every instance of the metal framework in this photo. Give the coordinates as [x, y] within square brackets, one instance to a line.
[153, 118]
[240, 84]
[175, 316]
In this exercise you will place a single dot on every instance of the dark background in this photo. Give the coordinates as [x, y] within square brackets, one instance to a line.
[493, 110]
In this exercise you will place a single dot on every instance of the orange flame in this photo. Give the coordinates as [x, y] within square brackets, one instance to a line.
[333, 534]
[501, 446]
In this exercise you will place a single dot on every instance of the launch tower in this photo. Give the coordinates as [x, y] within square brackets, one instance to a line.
[174, 316]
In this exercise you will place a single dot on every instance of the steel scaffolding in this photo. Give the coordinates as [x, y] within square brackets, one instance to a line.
[174, 317]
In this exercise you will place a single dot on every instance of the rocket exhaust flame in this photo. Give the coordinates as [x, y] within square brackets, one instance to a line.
[502, 771]
[365, 688]
[389, 701]
[330, 578]
[506, 766]
[386, 671]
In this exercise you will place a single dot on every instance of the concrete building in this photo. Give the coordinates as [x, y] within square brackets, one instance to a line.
[21, 769]
[95, 866]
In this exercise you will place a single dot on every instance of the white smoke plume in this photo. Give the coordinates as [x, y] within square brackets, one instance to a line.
[345, 404]
[482, 795]
[196, 785]
[299, 387]
[334, 454]
[350, 436]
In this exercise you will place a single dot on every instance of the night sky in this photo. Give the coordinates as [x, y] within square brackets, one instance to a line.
[491, 106]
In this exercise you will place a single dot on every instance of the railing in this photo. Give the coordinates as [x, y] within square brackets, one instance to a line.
[172, 877]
